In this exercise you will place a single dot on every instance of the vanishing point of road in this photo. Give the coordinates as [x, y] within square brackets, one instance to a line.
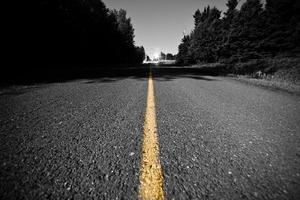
[155, 135]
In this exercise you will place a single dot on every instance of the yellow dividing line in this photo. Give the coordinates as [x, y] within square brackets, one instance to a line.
[151, 179]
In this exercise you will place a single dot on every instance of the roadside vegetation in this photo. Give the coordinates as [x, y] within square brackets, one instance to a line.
[51, 39]
[258, 40]
[67, 33]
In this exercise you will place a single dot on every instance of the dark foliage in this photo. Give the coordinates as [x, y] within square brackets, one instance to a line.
[148, 58]
[73, 32]
[253, 32]
[170, 56]
[166, 56]
[184, 56]
[162, 56]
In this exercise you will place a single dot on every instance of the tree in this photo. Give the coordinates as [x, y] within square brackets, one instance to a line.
[184, 54]
[250, 28]
[226, 48]
[283, 25]
[205, 38]
[125, 26]
[140, 54]
[197, 17]
[76, 33]
[170, 56]
[162, 56]
[253, 32]
[230, 14]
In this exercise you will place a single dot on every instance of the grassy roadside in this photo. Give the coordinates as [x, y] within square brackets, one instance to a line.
[270, 84]
[276, 73]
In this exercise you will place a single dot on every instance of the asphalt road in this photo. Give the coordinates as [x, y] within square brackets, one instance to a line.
[218, 138]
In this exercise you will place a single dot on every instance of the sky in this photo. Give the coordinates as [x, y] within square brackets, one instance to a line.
[160, 24]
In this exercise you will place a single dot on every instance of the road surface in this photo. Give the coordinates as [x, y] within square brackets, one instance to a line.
[207, 137]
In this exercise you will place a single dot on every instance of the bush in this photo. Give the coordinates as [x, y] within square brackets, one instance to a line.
[275, 64]
[290, 74]
[249, 67]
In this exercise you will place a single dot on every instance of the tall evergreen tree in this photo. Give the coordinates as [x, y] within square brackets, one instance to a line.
[253, 32]
[282, 33]
[184, 56]
[248, 30]
[227, 48]
[197, 17]
[205, 37]
[125, 26]
[231, 13]
[76, 32]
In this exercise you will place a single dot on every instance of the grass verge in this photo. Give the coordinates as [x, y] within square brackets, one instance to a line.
[273, 73]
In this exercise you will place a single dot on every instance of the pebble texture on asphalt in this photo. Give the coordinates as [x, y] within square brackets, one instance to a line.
[218, 139]
[222, 139]
[72, 140]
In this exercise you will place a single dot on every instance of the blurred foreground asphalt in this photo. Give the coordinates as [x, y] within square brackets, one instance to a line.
[81, 139]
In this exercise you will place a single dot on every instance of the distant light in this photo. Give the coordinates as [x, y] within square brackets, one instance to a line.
[156, 55]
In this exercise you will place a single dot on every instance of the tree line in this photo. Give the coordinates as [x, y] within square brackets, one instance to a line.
[254, 31]
[77, 32]
[166, 56]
